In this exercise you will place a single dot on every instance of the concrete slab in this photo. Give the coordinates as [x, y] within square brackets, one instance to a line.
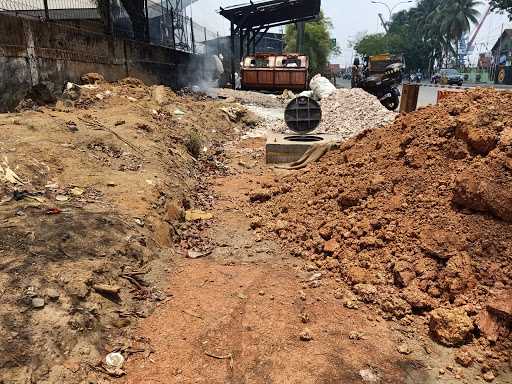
[287, 148]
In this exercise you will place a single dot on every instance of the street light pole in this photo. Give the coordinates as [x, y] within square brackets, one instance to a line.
[391, 9]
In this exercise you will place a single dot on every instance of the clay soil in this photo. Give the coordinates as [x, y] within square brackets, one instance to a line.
[90, 189]
[330, 274]
[246, 312]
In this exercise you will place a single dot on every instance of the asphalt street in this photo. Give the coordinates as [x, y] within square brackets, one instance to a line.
[428, 94]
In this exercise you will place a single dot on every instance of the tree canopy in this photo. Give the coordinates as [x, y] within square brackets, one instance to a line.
[318, 44]
[504, 6]
[428, 34]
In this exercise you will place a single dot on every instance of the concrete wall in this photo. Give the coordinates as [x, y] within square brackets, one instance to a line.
[33, 52]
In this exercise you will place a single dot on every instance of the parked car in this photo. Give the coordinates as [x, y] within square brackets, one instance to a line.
[448, 76]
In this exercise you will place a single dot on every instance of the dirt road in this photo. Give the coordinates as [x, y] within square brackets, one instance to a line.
[251, 313]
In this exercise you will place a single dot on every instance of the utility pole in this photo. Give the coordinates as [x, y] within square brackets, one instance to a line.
[46, 11]
[301, 32]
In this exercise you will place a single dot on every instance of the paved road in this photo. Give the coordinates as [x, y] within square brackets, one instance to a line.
[428, 95]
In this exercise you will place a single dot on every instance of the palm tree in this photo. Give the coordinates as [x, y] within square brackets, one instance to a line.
[456, 20]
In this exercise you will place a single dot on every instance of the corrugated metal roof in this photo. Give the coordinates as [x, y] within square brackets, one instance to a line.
[271, 13]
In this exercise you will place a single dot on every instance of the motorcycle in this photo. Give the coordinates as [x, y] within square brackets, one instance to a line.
[384, 87]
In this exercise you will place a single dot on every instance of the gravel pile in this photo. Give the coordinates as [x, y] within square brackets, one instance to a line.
[348, 112]
[249, 97]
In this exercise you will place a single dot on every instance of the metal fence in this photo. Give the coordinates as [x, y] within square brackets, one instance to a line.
[158, 23]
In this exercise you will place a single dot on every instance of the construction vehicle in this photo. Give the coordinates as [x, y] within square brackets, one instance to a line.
[378, 64]
[274, 72]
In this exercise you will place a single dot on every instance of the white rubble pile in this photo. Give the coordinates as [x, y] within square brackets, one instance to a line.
[249, 97]
[350, 111]
[346, 113]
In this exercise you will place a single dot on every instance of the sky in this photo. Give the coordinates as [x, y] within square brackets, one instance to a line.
[350, 18]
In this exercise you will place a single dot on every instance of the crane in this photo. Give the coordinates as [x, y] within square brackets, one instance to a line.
[383, 23]
[471, 43]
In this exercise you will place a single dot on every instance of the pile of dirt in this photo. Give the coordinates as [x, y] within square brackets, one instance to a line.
[416, 219]
[89, 193]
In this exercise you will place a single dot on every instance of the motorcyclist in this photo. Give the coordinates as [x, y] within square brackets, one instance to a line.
[357, 73]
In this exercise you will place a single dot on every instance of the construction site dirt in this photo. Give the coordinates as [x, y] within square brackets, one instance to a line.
[140, 221]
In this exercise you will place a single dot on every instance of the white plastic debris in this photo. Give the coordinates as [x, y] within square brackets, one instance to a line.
[114, 360]
[8, 175]
[321, 87]
[307, 94]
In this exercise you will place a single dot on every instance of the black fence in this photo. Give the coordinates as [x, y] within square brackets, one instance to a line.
[158, 23]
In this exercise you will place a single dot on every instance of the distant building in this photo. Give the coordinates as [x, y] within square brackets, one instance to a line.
[502, 54]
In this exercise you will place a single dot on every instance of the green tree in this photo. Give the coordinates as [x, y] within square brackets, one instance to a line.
[503, 6]
[373, 44]
[427, 35]
[318, 44]
[456, 19]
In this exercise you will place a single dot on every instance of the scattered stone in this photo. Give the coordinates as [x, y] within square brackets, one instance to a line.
[159, 95]
[464, 358]
[315, 276]
[260, 196]
[350, 304]
[451, 327]
[304, 317]
[52, 294]
[197, 215]
[488, 325]
[302, 295]
[356, 335]
[38, 302]
[306, 335]
[489, 376]
[501, 305]
[331, 246]
[366, 292]
[369, 376]
[92, 78]
[77, 191]
[403, 273]
[395, 306]
[418, 300]
[358, 275]
[404, 349]
[261, 293]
